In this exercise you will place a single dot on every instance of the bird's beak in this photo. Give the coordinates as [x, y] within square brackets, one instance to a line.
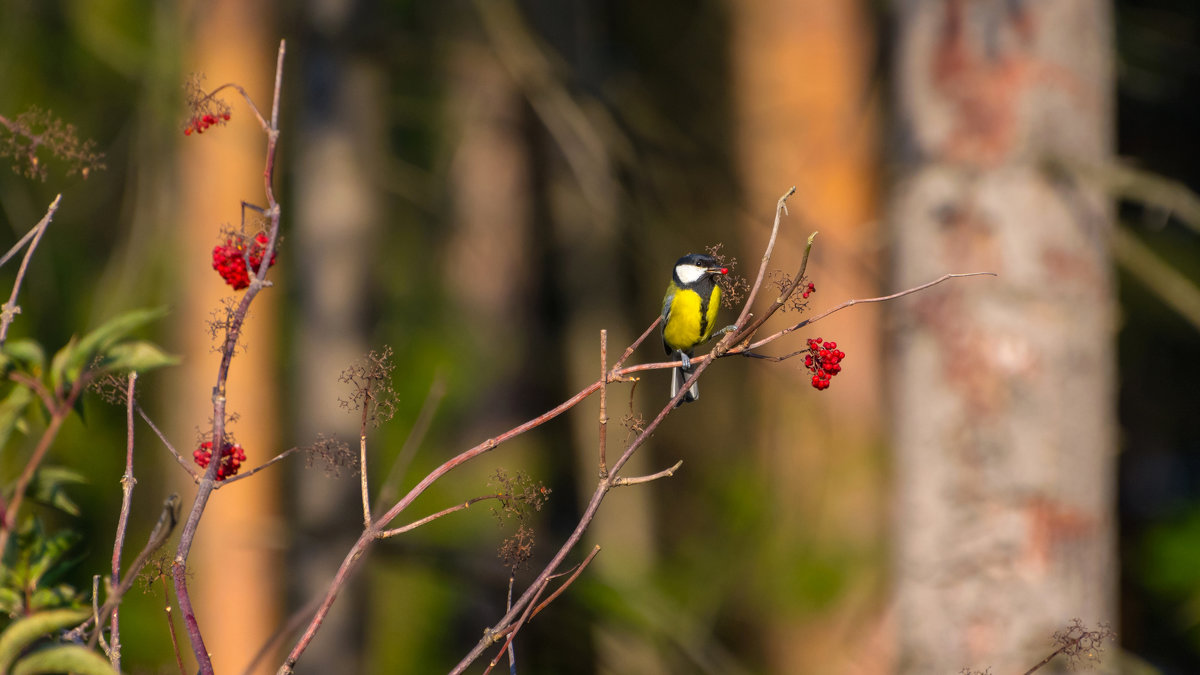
[718, 270]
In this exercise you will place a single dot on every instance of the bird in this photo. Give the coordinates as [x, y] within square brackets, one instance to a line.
[689, 313]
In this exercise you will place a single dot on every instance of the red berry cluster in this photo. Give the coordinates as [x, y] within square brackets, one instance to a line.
[824, 359]
[809, 291]
[201, 122]
[231, 458]
[229, 259]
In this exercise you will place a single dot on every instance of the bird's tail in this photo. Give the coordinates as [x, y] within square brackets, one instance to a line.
[678, 377]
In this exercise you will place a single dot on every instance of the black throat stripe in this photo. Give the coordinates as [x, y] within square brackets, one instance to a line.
[705, 291]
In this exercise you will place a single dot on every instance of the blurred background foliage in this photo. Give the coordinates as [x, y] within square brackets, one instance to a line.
[488, 338]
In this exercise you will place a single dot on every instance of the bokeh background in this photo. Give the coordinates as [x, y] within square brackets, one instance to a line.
[485, 186]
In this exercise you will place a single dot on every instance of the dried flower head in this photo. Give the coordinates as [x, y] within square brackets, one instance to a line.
[517, 549]
[23, 137]
[220, 321]
[371, 387]
[112, 388]
[204, 108]
[518, 495]
[335, 455]
[733, 286]
[1081, 645]
[798, 300]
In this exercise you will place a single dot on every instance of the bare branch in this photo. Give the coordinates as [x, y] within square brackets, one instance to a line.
[251, 472]
[860, 301]
[10, 309]
[127, 483]
[444, 512]
[665, 473]
[780, 209]
[603, 433]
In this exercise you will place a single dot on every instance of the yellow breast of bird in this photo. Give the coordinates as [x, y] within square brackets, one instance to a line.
[691, 320]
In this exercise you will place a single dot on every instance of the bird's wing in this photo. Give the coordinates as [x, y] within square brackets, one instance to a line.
[666, 315]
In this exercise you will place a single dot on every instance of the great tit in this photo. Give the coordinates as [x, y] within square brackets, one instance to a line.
[689, 313]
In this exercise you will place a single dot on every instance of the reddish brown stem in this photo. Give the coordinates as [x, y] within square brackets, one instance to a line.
[232, 334]
[432, 517]
[603, 433]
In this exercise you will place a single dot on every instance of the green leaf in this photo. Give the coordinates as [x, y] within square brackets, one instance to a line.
[64, 659]
[100, 339]
[11, 602]
[49, 553]
[60, 362]
[49, 487]
[24, 632]
[139, 355]
[12, 411]
[25, 354]
[77, 355]
[62, 596]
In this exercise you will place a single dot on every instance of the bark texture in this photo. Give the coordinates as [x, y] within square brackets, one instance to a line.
[1003, 392]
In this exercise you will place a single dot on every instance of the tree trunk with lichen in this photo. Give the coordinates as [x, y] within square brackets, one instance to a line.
[1003, 390]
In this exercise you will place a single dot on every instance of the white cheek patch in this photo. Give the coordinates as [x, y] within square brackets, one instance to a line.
[689, 274]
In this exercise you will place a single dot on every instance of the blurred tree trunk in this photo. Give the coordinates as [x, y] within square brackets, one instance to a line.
[339, 137]
[237, 612]
[803, 116]
[1003, 389]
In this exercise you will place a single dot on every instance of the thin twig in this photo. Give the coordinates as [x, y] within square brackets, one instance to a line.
[516, 627]
[603, 433]
[171, 626]
[859, 301]
[512, 649]
[1043, 662]
[364, 483]
[96, 612]
[780, 209]
[637, 480]
[35, 385]
[127, 483]
[444, 512]
[636, 343]
[260, 467]
[570, 580]
[573, 575]
[167, 521]
[11, 309]
[187, 466]
[33, 231]
[748, 332]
